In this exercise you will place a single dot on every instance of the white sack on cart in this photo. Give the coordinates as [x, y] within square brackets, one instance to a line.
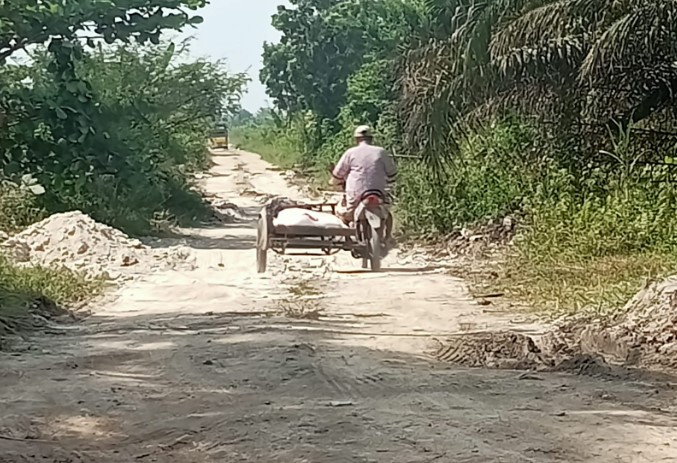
[298, 217]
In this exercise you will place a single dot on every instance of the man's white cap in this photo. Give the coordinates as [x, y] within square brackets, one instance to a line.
[363, 131]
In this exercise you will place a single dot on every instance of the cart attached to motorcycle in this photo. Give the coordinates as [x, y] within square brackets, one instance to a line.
[365, 241]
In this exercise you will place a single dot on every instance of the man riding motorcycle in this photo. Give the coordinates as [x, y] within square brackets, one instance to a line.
[364, 167]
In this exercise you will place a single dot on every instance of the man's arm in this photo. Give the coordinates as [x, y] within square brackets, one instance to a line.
[390, 166]
[341, 170]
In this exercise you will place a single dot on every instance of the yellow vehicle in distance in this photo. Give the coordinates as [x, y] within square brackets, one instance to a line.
[218, 138]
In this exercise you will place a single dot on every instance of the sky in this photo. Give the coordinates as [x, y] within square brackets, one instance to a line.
[235, 30]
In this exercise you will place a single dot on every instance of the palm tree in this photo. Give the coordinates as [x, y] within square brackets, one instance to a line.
[594, 63]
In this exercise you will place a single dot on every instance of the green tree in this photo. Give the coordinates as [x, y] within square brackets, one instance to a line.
[110, 131]
[34, 22]
[324, 42]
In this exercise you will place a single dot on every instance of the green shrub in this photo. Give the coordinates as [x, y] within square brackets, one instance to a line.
[490, 177]
[19, 207]
[24, 291]
[115, 132]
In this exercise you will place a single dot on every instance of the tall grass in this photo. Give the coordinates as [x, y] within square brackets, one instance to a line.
[592, 248]
[490, 177]
[24, 291]
[274, 145]
[588, 242]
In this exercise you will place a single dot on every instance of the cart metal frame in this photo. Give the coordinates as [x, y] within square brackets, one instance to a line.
[281, 239]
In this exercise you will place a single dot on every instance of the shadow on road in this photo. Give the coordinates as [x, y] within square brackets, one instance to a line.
[254, 387]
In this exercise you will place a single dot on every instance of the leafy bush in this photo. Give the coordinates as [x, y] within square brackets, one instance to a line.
[19, 207]
[490, 177]
[114, 124]
[148, 116]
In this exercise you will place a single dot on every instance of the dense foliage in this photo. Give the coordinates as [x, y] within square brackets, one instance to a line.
[560, 110]
[323, 44]
[583, 68]
[110, 129]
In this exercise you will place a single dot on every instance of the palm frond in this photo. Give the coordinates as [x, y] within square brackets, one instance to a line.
[590, 63]
[645, 34]
[555, 57]
[549, 21]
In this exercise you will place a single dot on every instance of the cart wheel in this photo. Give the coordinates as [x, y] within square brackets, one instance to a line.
[375, 251]
[326, 251]
[261, 246]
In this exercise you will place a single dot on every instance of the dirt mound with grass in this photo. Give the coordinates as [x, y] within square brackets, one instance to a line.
[644, 335]
[75, 241]
[37, 314]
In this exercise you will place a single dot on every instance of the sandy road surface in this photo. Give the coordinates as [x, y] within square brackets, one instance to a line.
[220, 364]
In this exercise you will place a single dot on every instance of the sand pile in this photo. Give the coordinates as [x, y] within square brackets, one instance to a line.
[645, 334]
[75, 241]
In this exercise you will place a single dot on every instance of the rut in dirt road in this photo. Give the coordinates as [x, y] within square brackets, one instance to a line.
[312, 362]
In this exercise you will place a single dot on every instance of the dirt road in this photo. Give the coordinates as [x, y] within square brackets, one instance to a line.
[311, 363]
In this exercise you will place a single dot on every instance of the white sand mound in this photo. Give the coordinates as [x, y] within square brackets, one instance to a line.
[643, 334]
[647, 331]
[75, 241]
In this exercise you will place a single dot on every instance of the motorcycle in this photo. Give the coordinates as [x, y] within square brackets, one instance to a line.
[371, 216]
[370, 221]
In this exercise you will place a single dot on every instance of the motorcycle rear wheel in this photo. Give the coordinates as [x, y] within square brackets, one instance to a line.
[375, 247]
[366, 252]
